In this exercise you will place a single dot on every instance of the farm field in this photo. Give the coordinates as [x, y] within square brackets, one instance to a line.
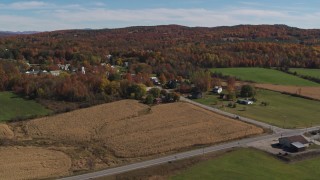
[117, 133]
[6, 132]
[310, 92]
[283, 110]
[32, 163]
[131, 129]
[306, 72]
[12, 106]
[265, 76]
[251, 164]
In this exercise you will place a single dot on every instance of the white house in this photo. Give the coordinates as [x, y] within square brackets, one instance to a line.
[83, 70]
[55, 73]
[155, 80]
[217, 89]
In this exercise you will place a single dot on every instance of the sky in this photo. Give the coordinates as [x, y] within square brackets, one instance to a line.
[45, 15]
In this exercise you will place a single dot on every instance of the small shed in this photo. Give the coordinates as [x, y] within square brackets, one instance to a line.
[294, 143]
[196, 95]
[297, 147]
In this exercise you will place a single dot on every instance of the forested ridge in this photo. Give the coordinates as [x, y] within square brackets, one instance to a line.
[169, 52]
[179, 47]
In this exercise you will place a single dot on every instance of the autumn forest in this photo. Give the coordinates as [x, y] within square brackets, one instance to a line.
[168, 52]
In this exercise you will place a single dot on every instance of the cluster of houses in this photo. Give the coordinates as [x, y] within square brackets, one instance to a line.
[36, 70]
[55, 72]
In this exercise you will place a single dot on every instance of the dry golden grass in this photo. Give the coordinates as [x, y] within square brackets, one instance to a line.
[83, 124]
[171, 127]
[129, 130]
[5, 132]
[311, 92]
[32, 163]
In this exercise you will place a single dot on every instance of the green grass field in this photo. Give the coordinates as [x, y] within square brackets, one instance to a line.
[12, 106]
[306, 72]
[262, 75]
[251, 164]
[283, 110]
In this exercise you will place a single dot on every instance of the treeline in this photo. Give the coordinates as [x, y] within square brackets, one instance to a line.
[172, 50]
[310, 78]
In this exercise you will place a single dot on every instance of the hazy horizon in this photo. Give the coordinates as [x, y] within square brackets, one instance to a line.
[45, 15]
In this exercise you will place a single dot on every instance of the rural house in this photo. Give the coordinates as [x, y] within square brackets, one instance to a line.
[155, 80]
[55, 73]
[294, 143]
[217, 89]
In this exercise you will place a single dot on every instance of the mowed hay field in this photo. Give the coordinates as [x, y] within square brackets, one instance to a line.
[130, 129]
[15, 107]
[265, 76]
[306, 72]
[32, 163]
[311, 92]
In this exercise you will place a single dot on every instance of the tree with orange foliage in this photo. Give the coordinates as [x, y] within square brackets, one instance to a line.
[231, 87]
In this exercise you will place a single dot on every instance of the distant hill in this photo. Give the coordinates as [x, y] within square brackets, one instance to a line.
[174, 48]
[12, 33]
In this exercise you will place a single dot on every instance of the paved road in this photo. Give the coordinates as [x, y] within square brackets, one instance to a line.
[277, 132]
[251, 121]
[178, 156]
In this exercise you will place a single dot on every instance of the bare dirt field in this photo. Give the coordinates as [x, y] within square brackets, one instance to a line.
[311, 92]
[125, 131]
[32, 163]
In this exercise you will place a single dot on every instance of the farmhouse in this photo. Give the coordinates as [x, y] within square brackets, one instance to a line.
[293, 143]
[217, 89]
[33, 72]
[55, 73]
[155, 80]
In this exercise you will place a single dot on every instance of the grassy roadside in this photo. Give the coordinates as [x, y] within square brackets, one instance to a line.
[251, 164]
[283, 110]
[13, 107]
